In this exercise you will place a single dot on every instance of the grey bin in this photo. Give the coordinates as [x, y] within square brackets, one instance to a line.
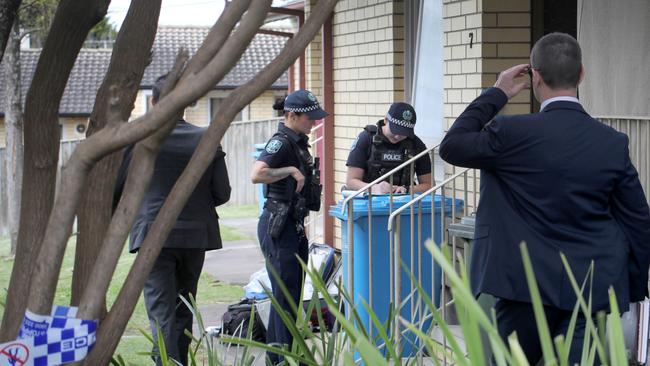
[461, 238]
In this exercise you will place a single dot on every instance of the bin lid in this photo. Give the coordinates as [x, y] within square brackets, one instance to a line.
[381, 205]
[258, 150]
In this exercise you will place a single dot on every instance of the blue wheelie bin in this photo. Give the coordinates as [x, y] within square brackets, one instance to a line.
[259, 187]
[415, 257]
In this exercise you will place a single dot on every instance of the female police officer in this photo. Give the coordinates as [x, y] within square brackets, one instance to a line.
[292, 188]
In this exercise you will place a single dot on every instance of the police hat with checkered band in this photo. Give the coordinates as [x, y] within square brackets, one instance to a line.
[401, 119]
[303, 101]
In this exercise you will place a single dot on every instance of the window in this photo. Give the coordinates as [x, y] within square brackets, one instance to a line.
[215, 104]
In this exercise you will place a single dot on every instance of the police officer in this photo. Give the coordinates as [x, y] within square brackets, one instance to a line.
[382, 147]
[292, 188]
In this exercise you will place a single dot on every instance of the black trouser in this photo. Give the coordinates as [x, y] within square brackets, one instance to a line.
[176, 272]
[519, 316]
[280, 256]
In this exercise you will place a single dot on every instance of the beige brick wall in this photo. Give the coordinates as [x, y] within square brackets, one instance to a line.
[313, 60]
[506, 42]
[368, 71]
[463, 63]
[501, 33]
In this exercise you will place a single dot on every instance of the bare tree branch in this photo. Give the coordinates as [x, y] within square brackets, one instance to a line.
[108, 140]
[119, 314]
[129, 59]
[126, 211]
[42, 144]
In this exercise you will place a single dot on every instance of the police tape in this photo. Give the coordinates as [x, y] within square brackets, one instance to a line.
[50, 340]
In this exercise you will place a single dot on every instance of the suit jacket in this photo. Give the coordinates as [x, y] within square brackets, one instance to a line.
[197, 226]
[562, 182]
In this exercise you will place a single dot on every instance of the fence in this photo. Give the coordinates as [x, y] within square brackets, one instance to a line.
[65, 151]
[238, 145]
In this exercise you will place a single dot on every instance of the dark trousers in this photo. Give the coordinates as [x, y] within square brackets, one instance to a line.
[280, 257]
[519, 316]
[176, 272]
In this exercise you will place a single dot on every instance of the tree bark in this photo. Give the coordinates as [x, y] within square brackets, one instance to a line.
[72, 21]
[115, 321]
[87, 153]
[8, 11]
[14, 132]
[129, 59]
[122, 221]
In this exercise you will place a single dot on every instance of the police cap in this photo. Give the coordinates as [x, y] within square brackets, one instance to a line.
[401, 117]
[303, 101]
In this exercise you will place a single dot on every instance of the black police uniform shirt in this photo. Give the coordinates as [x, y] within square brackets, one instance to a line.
[279, 153]
[362, 148]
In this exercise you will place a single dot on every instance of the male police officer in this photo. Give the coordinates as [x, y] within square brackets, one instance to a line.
[292, 188]
[382, 147]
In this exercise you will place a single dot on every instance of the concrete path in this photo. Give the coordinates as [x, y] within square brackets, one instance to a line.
[232, 265]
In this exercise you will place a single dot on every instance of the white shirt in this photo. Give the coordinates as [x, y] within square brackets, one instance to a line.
[558, 99]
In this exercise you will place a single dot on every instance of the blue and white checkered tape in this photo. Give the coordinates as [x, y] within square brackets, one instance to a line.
[50, 340]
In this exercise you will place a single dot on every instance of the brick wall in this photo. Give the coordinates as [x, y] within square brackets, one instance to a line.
[482, 38]
[368, 71]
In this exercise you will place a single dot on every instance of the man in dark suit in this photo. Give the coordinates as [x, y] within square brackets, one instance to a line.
[178, 267]
[560, 181]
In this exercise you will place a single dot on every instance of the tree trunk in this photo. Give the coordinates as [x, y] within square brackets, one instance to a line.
[14, 133]
[90, 151]
[109, 334]
[72, 21]
[113, 242]
[8, 11]
[129, 59]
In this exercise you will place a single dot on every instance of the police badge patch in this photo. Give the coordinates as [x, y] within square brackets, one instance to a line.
[407, 115]
[273, 146]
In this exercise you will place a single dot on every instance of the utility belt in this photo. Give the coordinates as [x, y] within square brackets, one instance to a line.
[281, 210]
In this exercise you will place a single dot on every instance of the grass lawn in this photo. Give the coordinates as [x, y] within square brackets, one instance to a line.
[236, 212]
[209, 292]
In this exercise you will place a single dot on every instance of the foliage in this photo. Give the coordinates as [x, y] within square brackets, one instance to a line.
[349, 342]
[36, 17]
[133, 343]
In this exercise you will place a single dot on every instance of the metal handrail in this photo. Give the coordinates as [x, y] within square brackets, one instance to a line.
[396, 247]
[417, 199]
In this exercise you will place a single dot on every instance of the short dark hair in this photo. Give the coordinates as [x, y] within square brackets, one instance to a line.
[157, 87]
[558, 59]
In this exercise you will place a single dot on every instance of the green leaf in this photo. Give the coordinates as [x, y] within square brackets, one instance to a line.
[538, 309]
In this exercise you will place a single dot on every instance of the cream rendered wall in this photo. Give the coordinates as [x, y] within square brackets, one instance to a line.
[262, 106]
